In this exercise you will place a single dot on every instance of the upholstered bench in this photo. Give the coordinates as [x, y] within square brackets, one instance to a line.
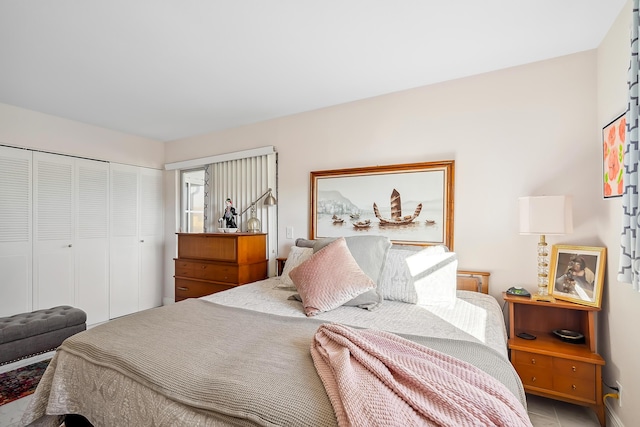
[28, 334]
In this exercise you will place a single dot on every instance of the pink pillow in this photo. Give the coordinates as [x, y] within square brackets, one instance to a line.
[329, 278]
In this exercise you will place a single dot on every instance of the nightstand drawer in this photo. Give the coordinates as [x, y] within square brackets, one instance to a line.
[535, 376]
[576, 387]
[525, 358]
[574, 369]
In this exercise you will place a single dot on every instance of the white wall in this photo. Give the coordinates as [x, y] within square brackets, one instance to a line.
[529, 130]
[30, 129]
[619, 339]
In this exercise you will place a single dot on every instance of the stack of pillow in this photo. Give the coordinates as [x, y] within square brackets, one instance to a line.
[361, 271]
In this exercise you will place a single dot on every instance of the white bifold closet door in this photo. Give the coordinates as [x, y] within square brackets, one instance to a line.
[152, 238]
[15, 231]
[136, 239]
[71, 234]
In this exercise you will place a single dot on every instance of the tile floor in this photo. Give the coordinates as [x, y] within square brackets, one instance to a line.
[11, 413]
[543, 413]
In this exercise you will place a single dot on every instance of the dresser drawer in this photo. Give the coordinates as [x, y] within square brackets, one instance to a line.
[217, 272]
[184, 268]
[525, 358]
[195, 289]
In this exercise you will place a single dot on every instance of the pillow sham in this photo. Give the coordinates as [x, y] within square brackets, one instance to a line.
[329, 278]
[419, 276]
[297, 255]
[434, 277]
[304, 243]
[370, 252]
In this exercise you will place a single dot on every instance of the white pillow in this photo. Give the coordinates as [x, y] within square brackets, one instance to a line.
[426, 277]
[434, 277]
[297, 256]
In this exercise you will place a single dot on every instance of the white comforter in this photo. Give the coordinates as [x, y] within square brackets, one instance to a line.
[474, 317]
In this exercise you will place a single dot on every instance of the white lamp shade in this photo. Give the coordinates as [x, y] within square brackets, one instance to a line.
[546, 215]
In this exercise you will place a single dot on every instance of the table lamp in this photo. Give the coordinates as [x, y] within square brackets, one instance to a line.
[253, 223]
[545, 215]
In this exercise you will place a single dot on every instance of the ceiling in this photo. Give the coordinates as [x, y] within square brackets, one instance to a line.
[170, 69]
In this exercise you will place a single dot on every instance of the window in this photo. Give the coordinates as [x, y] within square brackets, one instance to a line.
[192, 201]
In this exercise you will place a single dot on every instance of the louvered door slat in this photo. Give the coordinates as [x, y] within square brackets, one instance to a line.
[93, 202]
[15, 231]
[15, 199]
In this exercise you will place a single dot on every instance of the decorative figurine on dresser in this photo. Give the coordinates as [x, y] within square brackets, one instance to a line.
[214, 262]
[229, 215]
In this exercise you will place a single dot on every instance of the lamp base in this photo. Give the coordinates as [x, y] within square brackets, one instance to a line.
[545, 298]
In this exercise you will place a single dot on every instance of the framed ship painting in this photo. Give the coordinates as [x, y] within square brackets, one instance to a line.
[409, 203]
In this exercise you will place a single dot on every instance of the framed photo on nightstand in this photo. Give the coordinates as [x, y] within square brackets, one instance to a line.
[576, 274]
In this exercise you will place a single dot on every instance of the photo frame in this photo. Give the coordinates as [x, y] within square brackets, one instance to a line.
[613, 146]
[409, 203]
[577, 274]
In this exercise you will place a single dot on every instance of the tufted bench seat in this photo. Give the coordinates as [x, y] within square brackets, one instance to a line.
[27, 334]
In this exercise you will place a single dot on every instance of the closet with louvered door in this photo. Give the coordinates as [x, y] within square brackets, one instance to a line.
[136, 239]
[15, 231]
[71, 239]
[92, 239]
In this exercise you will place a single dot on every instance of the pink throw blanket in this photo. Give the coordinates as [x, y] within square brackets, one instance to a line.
[375, 378]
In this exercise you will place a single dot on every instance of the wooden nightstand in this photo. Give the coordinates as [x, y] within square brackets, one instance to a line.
[548, 366]
[280, 261]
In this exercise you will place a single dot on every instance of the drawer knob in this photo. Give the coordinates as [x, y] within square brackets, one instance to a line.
[573, 387]
[573, 368]
[533, 379]
[533, 361]
[182, 288]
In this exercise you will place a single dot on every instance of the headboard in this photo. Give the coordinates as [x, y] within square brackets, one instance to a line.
[476, 281]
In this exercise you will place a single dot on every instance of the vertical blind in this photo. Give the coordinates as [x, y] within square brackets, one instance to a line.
[243, 181]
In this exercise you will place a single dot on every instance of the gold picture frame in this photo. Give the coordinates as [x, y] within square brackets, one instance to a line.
[408, 203]
[576, 274]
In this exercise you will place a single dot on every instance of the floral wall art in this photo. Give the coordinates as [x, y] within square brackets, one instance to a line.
[613, 136]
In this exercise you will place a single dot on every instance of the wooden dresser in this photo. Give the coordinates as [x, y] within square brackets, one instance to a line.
[548, 366]
[214, 262]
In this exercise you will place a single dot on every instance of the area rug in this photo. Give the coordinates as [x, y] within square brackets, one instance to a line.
[21, 382]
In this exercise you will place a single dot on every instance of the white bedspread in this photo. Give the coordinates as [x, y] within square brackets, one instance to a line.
[474, 317]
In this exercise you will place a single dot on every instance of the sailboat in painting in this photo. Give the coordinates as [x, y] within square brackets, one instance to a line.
[396, 211]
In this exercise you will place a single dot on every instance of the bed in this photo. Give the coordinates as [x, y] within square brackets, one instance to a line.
[242, 358]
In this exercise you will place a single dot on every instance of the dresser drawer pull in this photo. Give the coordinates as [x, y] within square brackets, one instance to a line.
[182, 288]
[533, 361]
[573, 387]
[573, 368]
[533, 379]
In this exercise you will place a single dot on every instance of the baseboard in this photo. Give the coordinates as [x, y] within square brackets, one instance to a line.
[28, 361]
[612, 418]
[168, 301]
